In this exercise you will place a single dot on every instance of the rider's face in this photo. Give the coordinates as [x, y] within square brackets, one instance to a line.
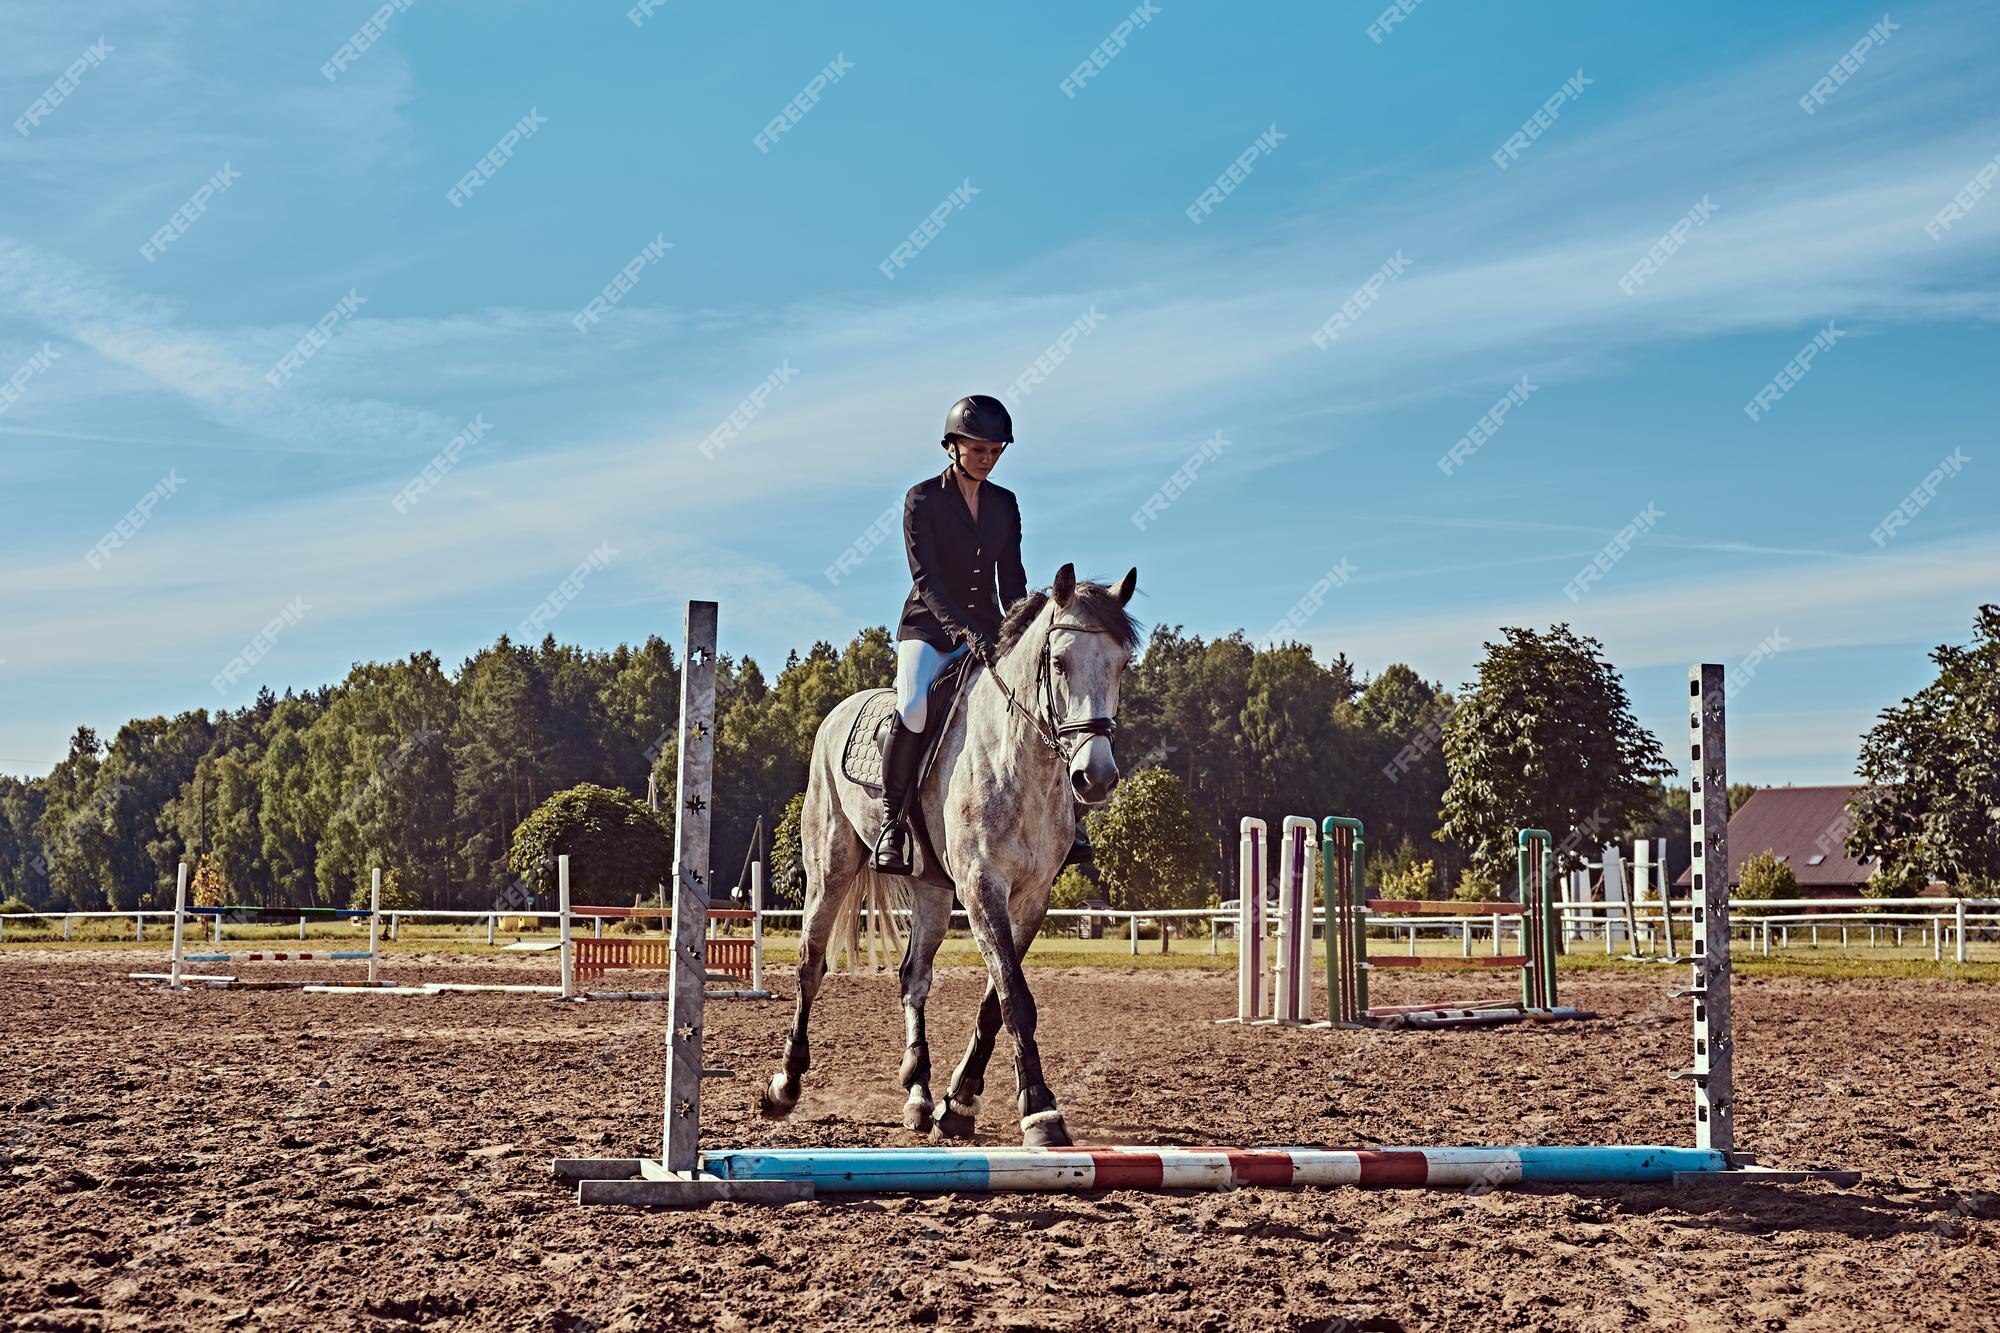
[977, 457]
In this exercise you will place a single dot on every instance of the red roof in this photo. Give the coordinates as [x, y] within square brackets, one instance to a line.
[1807, 828]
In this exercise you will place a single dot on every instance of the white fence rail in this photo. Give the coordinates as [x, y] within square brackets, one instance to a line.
[1943, 923]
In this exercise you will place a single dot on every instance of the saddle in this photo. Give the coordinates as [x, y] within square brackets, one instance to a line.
[862, 758]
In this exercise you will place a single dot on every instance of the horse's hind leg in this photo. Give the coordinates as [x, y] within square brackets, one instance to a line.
[833, 859]
[930, 914]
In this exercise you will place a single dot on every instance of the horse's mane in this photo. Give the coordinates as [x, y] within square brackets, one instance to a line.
[1093, 602]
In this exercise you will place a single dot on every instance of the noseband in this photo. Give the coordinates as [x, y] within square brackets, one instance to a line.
[1051, 729]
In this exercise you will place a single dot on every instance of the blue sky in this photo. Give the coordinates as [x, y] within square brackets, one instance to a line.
[140, 368]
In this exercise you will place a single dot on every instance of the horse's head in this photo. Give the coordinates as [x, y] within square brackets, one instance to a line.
[1086, 640]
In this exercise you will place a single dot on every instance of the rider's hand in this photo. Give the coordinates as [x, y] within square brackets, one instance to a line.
[983, 649]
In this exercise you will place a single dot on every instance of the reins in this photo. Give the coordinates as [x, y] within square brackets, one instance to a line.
[1051, 732]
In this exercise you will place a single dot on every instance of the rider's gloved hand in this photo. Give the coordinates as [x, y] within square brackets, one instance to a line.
[983, 649]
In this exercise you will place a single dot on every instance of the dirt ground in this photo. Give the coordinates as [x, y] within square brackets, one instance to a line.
[267, 1159]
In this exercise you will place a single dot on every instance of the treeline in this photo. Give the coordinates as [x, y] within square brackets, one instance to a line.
[289, 800]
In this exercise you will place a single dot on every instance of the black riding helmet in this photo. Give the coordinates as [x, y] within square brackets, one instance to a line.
[980, 417]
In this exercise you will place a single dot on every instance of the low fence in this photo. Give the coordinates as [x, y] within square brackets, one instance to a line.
[1947, 926]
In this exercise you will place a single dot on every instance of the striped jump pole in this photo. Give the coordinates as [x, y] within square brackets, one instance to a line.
[1253, 962]
[1293, 1001]
[837, 1170]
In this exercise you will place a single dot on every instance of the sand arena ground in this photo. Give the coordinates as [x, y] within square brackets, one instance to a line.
[268, 1159]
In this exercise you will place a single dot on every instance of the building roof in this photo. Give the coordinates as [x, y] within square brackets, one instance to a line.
[1807, 828]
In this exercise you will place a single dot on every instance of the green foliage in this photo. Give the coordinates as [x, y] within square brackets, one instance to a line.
[1473, 888]
[1403, 873]
[208, 887]
[616, 846]
[1151, 849]
[1415, 879]
[397, 896]
[1071, 889]
[787, 870]
[1932, 765]
[1545, 738]
[1764, 877]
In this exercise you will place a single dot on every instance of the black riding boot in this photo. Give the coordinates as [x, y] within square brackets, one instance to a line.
[1080, 851]
[892, 848]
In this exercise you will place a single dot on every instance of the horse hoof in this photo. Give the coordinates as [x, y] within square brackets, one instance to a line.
[776, 1100]
[953, 1124]
[1044, 1129]
[918, 1117]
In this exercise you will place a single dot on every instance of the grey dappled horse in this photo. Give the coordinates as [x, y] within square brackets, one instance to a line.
[1024, 744]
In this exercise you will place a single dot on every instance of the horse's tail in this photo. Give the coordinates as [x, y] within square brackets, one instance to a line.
[872, 926]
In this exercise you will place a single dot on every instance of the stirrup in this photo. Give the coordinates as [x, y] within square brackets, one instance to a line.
[888, 856]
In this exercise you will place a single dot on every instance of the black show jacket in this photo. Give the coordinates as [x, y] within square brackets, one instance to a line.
[964, 573]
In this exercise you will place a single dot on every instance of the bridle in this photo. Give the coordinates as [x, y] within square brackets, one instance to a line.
[1051, 728]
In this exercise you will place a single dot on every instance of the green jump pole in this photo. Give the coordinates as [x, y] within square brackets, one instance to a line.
[1538, 924]
[1355, 946]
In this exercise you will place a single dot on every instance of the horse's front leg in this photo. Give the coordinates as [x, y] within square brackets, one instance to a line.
[1041, 1123]
[930, 914]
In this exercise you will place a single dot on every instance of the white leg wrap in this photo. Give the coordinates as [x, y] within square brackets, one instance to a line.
[1028, 1122]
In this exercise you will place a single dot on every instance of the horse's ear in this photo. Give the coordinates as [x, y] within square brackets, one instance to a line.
[1125, 587]
[1065, 584]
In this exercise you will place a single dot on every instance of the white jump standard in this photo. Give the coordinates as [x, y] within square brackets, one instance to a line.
[686, 1175]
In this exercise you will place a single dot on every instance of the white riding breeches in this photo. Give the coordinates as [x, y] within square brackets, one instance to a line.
[917, 667]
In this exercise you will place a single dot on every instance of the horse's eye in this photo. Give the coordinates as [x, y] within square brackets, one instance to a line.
[1062, 666]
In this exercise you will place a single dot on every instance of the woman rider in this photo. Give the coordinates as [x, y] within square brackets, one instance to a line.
[963, 537]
